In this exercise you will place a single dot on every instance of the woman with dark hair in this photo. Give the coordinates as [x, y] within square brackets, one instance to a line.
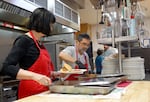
[35, 70]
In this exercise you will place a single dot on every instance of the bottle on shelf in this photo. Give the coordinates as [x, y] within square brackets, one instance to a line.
[132, 26]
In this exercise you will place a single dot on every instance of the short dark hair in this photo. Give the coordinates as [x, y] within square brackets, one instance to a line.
[41, 20]
[99, 52]
[84, 35]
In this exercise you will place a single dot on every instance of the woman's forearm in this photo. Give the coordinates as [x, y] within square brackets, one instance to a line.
[28, 75]
[24, 74]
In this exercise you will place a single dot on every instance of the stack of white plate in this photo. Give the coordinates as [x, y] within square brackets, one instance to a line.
[134, 68]
[110, 66]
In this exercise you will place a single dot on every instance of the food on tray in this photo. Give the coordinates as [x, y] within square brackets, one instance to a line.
[66, 68]
[91, 75]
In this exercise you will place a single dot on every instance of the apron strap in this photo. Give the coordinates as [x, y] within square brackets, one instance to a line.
[76, 67]
[86, 64]
[34, 39]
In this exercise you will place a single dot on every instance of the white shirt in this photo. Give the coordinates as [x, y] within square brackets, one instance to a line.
[71, 50]
[110, 52]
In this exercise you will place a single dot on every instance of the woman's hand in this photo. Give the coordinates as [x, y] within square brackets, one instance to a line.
[42, 79]
[55, 74]
[61, 76]
[58, 74]
[28, 75]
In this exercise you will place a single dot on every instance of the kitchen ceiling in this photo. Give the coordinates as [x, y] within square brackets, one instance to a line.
[89, 14]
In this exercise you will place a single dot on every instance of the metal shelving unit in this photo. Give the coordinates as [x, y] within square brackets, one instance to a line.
[126, 38]
[105, 41]
[120, 38]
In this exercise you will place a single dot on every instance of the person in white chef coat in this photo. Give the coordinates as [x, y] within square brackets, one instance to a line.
[109, 51]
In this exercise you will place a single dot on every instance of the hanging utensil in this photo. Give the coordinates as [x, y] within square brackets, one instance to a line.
[119, 3]
[125, 3]
[102, 19]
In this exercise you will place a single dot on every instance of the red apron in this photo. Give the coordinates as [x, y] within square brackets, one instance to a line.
[43, 65]
[74, 76]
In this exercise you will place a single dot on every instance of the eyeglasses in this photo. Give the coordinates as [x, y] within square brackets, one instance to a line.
[84, 44]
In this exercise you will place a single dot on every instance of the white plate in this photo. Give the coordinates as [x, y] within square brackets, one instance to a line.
[74, 71]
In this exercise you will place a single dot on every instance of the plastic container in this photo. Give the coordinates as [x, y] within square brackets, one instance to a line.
[132, 27]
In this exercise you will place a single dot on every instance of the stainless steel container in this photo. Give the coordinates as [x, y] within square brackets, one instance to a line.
[75, 87]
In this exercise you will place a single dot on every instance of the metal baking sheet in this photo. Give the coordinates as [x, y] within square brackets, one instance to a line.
[91, 76]
[99, 81]
[105, 78]
[73, 87]
[111, 75]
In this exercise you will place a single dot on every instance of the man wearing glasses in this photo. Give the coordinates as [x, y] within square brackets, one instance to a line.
[76, 56]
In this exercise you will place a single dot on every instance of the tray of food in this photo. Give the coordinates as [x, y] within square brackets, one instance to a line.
[95, 86]
[70, 89]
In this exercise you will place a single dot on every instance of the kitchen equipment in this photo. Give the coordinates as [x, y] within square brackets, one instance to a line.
[98, 82]
[54, 48]
[102, 86]
[17, 12]
[112, 75]
[119, 76]
[81, 90]
[8, 89]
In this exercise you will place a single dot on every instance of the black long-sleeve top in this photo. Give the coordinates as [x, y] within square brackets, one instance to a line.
[23, 53]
